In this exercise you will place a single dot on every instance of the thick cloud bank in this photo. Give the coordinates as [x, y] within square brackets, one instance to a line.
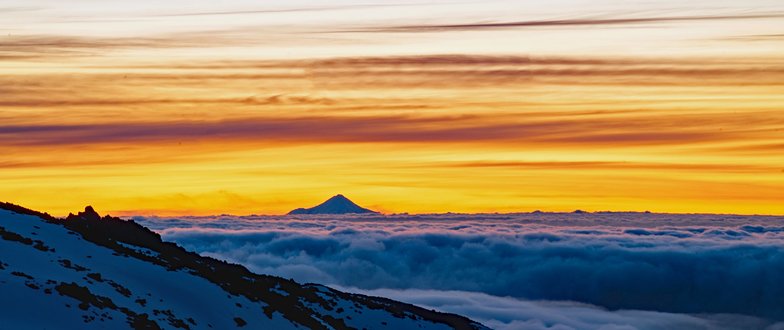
[504, 313]
[688, 264]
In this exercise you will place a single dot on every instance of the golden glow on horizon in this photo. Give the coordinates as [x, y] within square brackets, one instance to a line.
[251, 112]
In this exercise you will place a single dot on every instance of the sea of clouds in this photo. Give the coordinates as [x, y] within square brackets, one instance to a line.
[523, 271]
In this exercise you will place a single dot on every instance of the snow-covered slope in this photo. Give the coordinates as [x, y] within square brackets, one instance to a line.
[337, 204]
[91, 272]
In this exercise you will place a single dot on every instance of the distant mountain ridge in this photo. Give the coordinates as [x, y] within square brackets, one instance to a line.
[337, 204]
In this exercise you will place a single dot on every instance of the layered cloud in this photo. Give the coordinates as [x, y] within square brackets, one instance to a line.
[661, 263]
[437, 98]
[352, 129]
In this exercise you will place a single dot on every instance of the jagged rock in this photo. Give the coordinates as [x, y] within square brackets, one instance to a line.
[88, 214]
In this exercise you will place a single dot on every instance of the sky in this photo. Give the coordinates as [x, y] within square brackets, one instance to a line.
[242, 107]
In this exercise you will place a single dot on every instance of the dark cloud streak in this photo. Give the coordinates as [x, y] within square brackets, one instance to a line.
[574, 22]
[739, 168]
[399, 129]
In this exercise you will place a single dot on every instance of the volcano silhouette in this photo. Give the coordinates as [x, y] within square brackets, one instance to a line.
[337, 204]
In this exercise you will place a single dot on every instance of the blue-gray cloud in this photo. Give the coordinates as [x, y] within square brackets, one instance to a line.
[663, 263]
[505, 313]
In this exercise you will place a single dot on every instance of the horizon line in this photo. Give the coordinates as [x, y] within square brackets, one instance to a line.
[386, 214]
[132, 213]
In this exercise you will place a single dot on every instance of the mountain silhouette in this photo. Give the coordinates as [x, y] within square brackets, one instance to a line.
[337, 204]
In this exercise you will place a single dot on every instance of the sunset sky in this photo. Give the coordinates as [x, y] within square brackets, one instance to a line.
[208, 107]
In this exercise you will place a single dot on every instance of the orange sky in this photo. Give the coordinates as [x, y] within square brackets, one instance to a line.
[496, 106]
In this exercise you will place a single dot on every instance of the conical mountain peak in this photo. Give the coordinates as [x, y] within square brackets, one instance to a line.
[337, 204]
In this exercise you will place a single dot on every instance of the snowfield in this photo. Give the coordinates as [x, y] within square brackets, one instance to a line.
[88, 272]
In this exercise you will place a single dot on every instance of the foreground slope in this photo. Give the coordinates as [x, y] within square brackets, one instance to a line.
[88, 271]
